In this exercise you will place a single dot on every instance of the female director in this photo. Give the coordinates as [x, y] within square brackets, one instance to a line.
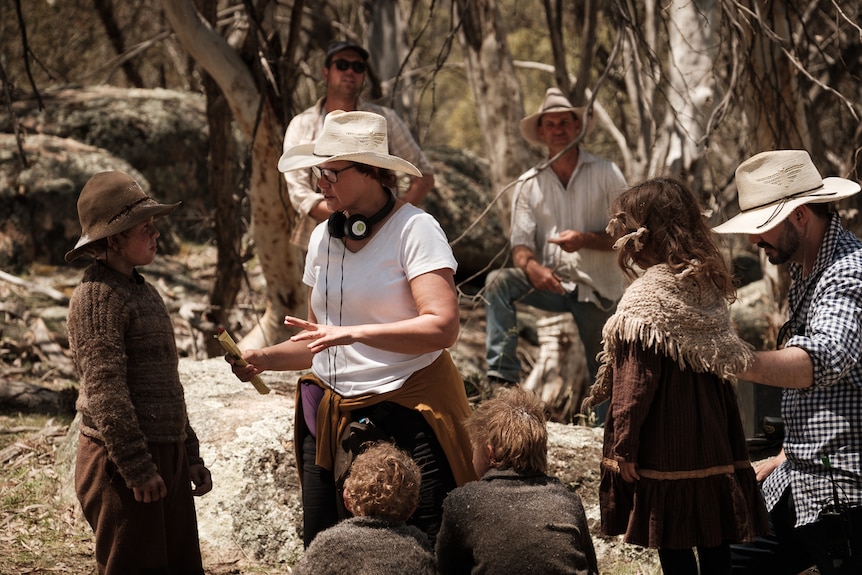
[382, 310]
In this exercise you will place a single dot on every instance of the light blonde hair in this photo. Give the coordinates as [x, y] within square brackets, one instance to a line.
[383, 482]
[513, 424]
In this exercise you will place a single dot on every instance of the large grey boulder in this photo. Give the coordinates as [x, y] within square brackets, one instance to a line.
[161, 138]
[161, 133]
[254, 509]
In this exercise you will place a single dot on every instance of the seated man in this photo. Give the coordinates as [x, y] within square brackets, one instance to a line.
[382, 492]
[515, 519]
[562, 255]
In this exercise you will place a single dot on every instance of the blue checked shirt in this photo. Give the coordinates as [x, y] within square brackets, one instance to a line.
[824, 420]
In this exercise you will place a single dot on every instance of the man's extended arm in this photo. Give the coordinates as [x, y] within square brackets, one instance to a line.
[790, 367]
[573, 240]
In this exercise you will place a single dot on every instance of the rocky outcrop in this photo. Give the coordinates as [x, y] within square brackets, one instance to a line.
[160, 138]
[254, 509]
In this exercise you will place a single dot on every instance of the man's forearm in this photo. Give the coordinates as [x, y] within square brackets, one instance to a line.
[522, 256]
[419, 188]
[320, 211]
[790, 367]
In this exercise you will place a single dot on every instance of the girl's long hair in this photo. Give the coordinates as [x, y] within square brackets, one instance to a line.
[664, 224]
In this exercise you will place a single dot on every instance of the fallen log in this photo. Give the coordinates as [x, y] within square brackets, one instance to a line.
[55, 295]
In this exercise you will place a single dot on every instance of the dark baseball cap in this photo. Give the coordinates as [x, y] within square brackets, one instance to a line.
[336, 47]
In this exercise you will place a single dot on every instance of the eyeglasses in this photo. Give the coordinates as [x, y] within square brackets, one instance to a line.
[343, 65]
[330, 175]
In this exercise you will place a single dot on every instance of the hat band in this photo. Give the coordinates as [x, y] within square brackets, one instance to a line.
[780, 205]
[127, 209]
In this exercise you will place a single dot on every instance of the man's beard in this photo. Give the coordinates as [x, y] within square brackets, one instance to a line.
[786, 246]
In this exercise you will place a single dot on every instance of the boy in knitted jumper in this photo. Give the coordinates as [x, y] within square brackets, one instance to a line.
[382, 492]
[137, 454]
[516, 518]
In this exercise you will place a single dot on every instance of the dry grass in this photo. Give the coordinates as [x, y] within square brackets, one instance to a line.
[39, 534]
[36, 533]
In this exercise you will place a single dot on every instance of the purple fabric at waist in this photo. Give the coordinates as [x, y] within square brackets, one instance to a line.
[311, 395]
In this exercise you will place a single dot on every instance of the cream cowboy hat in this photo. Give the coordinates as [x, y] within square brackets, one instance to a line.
[110, 203]
[554, 102]
[359, 137]
[772, 184]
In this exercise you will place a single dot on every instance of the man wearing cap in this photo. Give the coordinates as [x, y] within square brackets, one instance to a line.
[562, 255]
[813, 488]
[344, 69]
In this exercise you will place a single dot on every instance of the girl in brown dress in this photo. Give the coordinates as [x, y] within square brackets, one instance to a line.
[675, 469]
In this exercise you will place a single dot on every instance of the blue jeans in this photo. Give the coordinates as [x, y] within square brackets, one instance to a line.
[505, 287]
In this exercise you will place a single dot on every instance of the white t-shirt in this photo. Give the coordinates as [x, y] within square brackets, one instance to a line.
[371, 286]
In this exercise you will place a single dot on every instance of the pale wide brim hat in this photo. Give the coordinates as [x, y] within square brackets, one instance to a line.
[771, 185]
[111, 203]
[360, 137]
[554, 101]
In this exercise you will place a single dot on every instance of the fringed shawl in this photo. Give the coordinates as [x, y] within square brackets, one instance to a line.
[675, 315]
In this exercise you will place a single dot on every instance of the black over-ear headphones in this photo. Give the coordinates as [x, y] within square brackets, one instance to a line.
[357, 226]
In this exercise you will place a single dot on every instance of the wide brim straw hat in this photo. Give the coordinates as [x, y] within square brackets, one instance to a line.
[772, 184]
[111, 203]
[554, 101]
[360, 137]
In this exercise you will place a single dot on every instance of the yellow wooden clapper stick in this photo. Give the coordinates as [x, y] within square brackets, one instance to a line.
[230, 347]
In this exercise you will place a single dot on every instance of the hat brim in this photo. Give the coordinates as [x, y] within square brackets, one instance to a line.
[763, 219]
[138, 216]
[529, 126]
[303, 157]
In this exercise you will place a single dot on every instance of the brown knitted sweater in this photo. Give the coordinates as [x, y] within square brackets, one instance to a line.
[130, 394]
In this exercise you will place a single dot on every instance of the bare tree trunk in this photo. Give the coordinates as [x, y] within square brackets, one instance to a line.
[694, 48]
[498, 96]
[271, 221]
[105, 9]
[772, 103]
[588, 47]
[222, 178]
[554, 17]
[386, 28]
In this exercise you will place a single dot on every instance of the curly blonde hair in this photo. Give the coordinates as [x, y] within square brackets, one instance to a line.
[383, 482]
[513, 424]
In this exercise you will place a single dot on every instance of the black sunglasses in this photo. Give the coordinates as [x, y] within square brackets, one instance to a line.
[343, 65]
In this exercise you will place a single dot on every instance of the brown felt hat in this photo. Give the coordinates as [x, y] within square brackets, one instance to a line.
[110, 203]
